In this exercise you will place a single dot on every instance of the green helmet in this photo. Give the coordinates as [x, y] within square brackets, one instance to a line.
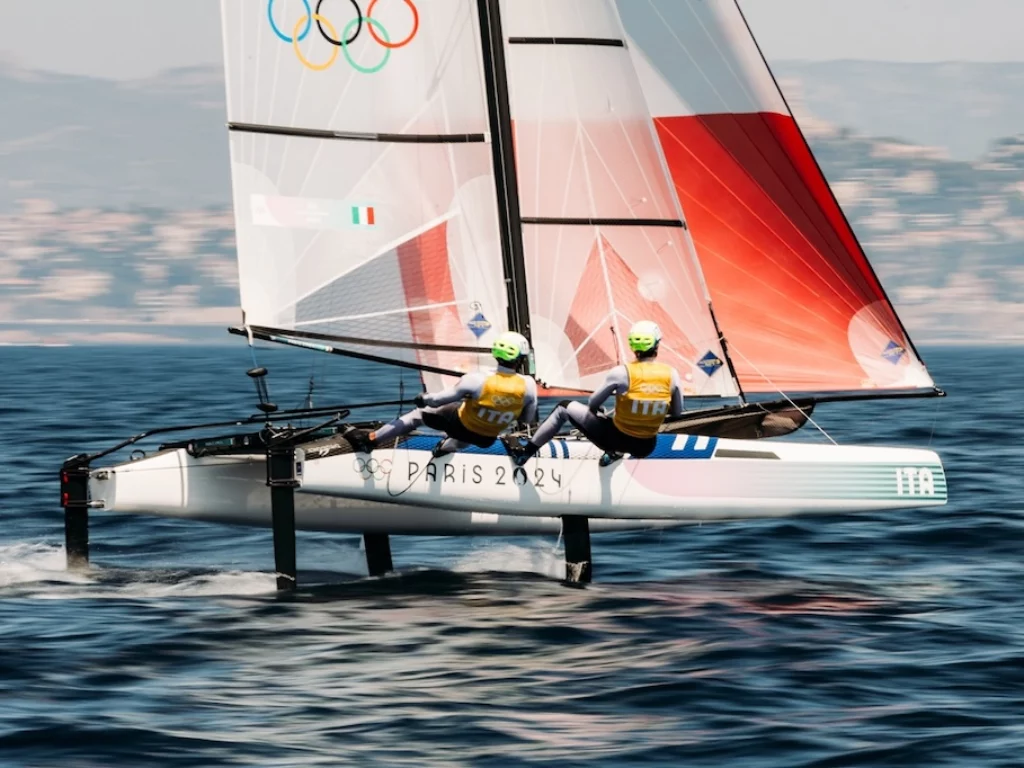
[644, 336]
[509, 346]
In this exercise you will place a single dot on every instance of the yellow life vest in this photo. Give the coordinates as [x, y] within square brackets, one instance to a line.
[499, 404]
[642, 408]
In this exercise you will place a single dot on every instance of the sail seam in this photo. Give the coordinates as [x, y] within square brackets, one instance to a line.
[604, 41]
[382, 313]
[391, 138]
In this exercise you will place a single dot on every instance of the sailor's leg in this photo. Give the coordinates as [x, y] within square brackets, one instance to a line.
[545, 432]
[403, 425]
[581, 417]
[553, 424]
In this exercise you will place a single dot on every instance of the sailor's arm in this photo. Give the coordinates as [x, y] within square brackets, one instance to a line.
[529, 413]
[676, 407]
[616, 381]
[468, 386]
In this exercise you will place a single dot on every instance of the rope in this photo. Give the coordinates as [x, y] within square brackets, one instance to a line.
[784, 395]
[935, 420]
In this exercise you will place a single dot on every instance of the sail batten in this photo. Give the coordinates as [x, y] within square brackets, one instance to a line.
[315, 133]
[590, 221]
[613, 42]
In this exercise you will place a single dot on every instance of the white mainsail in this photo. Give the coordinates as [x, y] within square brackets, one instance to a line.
[363, 184]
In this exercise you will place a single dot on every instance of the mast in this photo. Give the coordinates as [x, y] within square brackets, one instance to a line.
[503, 153]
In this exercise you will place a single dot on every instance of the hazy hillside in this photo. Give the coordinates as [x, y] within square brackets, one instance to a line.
[81, 141]
[161, 142]
[959, 106]
[114, 216]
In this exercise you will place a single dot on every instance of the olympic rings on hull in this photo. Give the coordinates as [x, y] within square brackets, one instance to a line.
[371, 468]
[350, 33]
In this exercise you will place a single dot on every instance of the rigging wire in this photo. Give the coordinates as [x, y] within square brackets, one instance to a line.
[412, 482]
[786, 397]
[401, 392]
[935, 421]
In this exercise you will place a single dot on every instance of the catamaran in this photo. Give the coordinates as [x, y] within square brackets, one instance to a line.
[411, 179]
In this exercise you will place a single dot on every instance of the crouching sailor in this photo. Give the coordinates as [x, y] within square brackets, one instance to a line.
[473, 412]
[646, 392]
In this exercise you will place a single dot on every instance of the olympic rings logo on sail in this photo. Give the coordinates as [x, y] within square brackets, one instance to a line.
[350, 32]
[368, 468]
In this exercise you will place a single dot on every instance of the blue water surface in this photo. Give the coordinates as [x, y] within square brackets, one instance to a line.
[878, 640]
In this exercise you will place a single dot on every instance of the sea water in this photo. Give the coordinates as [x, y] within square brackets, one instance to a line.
[883, 639]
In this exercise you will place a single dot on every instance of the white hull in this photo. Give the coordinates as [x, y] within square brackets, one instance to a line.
[232, 489]
[481, 492]
[686, 479]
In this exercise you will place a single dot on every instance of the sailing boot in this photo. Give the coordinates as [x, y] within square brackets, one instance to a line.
[439, 450]
[608, 458]
[360, 440]
[521, 453]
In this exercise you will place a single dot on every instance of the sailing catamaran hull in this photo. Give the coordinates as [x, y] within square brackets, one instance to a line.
[481, 492]
[687, 479]
[232, 489]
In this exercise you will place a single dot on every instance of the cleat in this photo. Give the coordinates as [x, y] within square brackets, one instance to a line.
[609, 458]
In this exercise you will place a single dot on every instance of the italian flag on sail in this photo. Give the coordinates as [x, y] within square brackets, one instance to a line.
[362, 215]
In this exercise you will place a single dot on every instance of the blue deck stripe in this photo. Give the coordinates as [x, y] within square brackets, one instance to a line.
[688, 447]
[427, 443]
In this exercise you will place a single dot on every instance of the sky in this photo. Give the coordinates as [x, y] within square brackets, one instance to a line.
[128, 39]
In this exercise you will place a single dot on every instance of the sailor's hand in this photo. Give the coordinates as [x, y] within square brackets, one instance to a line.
[420, 401]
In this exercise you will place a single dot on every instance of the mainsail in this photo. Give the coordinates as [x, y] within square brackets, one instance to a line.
[795, 295]
[363, 183]
[412, 178]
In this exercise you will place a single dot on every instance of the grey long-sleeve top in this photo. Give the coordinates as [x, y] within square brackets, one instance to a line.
[617, 383]
[470, 386]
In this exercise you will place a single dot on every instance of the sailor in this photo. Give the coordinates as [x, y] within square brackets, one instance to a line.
[475, 411]
[646, 392]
